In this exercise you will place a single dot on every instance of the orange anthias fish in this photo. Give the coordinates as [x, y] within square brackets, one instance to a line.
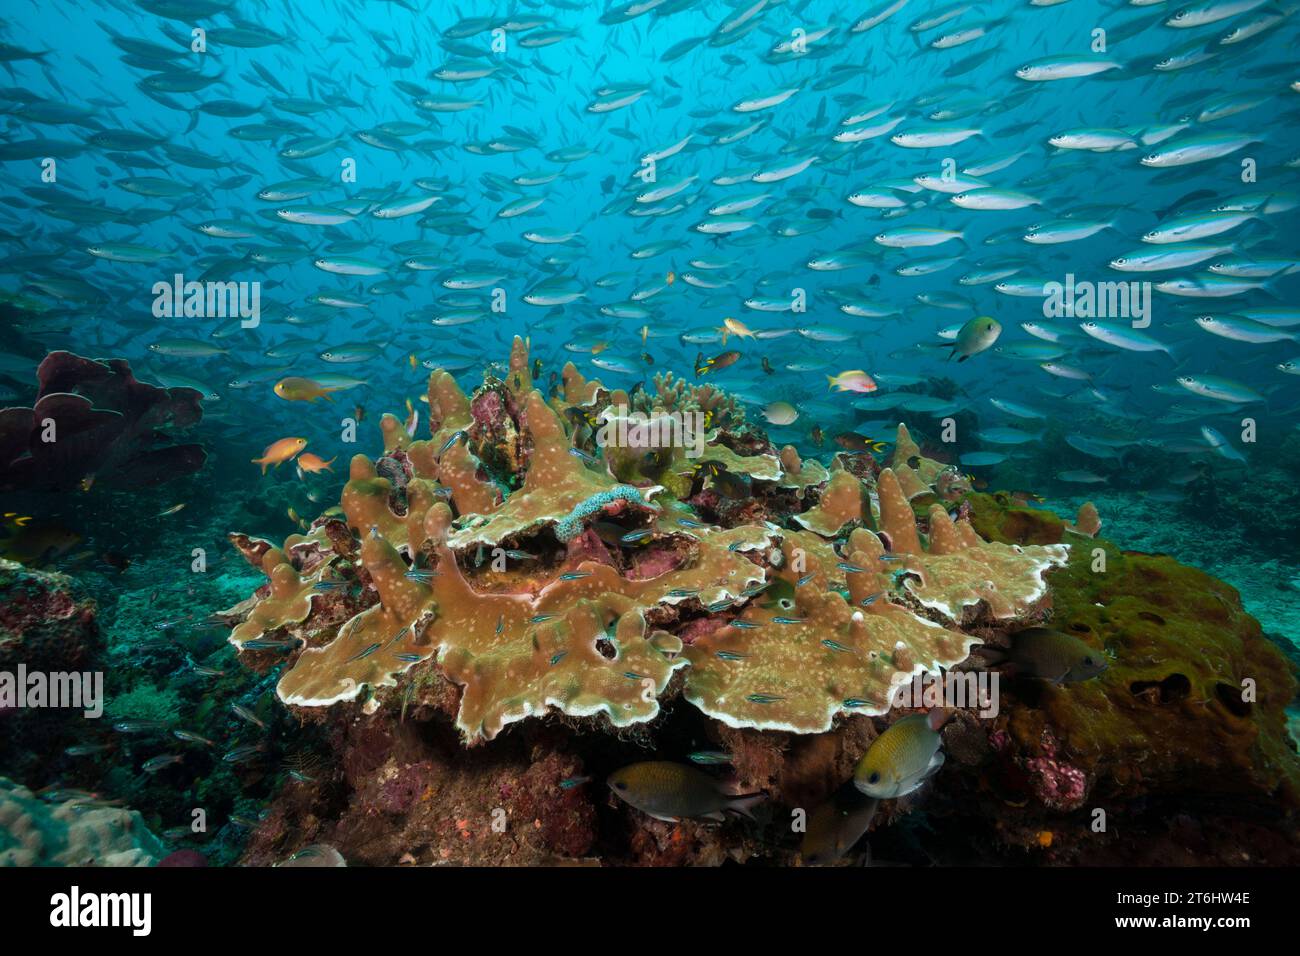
[853, 381]
[735, 327]
[297, 389]
[313, 463]
[277, 453]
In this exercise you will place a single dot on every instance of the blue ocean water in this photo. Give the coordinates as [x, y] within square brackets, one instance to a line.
[536, 123]
[603, 90]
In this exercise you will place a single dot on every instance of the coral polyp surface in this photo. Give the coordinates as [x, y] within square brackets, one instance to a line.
[958, 569]
[575, 591]
[794, 663]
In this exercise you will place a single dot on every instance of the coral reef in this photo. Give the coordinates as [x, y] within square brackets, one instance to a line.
[678, 395]
[75, 832]
[1193, 687]
[593, 633]
[48, 625]
[46, 622]
[511, 570]
[93, 421]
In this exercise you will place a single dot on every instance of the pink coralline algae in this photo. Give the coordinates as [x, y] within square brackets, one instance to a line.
[1057, 784]
[487, 408]
[654, 563]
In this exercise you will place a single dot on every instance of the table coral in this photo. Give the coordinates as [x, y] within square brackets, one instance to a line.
[557, 484]
[794, 668]
[959, 569]
[517, 654]
[799, 473]
[840, 504]
[288, 600]
[596, 591]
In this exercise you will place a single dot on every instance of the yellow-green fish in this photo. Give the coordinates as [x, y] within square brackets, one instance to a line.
[298, 389]
[1051, 655]
[902, 758]
[669, 791]
[836, 825]
[975, 336]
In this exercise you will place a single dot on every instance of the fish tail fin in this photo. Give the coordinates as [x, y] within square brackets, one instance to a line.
[937, 717]
[744, 803]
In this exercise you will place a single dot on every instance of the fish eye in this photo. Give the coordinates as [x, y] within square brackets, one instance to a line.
[620, 785]
[1087, 661]
[875, 777]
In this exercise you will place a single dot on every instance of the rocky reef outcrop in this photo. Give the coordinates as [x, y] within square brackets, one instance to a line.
[48, 633]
